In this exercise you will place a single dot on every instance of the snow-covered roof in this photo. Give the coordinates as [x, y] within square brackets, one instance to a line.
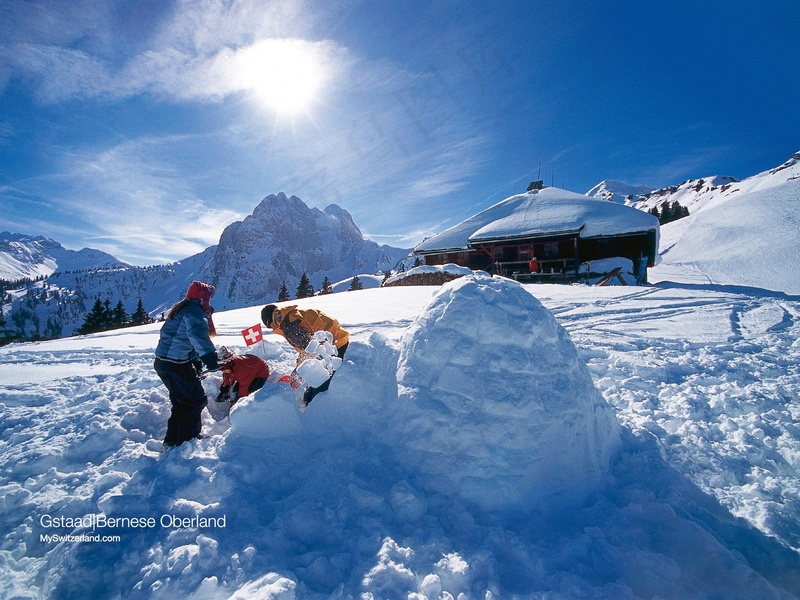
[550, 211]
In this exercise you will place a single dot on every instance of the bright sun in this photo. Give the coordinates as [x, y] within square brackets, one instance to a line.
[284, 74]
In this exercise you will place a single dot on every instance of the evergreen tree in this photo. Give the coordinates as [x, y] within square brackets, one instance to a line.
[283, 294]
[326, 286]
[355, 284]
[107, 314]
[304, 288]
[95, 320]
[140, 317]
[119, 317]
[418, 262]
[386, 276]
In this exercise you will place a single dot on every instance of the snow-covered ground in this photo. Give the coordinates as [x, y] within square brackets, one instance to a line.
[466, 446]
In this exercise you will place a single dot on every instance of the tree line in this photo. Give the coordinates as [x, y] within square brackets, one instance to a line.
[104, 318]
[305, 289]
[669, 211]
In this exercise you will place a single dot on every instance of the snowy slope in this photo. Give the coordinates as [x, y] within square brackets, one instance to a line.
[744, 234]
[696, 496]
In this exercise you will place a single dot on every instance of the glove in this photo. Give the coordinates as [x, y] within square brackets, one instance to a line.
[210, 361]
[223, 393]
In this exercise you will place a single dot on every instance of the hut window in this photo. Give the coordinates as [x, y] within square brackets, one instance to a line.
[550, 249]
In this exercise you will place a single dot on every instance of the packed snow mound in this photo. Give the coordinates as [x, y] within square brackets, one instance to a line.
[597, 270]
[494, 403]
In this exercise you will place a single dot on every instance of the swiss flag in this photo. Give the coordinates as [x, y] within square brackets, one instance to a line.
[252, 335]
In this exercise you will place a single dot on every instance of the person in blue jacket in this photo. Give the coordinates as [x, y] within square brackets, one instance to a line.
[184, 346]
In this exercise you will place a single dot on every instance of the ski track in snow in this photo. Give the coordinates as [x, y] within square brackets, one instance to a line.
[725, 410]
[704, 382]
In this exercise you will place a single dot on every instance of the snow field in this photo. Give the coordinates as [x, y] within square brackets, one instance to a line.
[346, 500]
[724, 409]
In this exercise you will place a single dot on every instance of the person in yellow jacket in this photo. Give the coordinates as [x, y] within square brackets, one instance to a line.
[298, 326]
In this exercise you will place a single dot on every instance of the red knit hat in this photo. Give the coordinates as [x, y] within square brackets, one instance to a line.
[203, 292]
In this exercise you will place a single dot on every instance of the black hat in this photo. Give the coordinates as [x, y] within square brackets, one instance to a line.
[266, 314]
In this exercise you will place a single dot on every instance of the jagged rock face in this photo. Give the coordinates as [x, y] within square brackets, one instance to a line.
[283, 239]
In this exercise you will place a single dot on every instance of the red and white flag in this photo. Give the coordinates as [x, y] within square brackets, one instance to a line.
[252, 335]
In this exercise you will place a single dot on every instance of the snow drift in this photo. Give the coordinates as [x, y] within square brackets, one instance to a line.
[490, 385]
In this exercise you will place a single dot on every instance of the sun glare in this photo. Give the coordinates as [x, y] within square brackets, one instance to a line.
[285, 75]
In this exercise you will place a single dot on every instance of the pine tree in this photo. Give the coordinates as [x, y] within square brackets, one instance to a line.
[283, 294]
[326, 286]
[304, 288]
[355, 284]
[140, 317]
[418, 262]
[108, 318]
[95, 320]
[119, 317]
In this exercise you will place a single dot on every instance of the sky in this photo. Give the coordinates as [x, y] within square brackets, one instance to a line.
[144, 127]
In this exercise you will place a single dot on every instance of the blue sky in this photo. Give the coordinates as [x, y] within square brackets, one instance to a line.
[144, 127]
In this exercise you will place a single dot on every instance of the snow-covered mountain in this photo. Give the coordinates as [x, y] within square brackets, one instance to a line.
[28, 257]
[283, 239]
[280, 241]
[618, 191]
[687, 194]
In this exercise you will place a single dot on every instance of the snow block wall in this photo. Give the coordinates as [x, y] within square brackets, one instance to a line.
[494, 404]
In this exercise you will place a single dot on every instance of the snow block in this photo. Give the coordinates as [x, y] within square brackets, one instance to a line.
[270, 413]
[494, 404]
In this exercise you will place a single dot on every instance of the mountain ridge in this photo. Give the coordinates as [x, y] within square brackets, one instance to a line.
[282, 239]
[30, 256]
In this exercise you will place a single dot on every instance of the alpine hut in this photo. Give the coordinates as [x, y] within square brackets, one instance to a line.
[563, 230]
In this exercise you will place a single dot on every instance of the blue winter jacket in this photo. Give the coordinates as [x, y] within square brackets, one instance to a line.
[185, 337]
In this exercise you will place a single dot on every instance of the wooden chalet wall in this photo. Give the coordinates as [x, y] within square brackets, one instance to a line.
[559, 256]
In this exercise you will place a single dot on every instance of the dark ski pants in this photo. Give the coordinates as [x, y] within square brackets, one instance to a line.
[188, 400]
[311, 392]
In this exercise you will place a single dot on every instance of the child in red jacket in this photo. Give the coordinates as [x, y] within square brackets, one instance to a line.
[241, 375]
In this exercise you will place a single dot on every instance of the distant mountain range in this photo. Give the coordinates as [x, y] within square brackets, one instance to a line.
[25, 256]
[280, 241]
[283, 239]
[688, 193]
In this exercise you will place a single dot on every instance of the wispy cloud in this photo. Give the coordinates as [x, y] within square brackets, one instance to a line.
[132, 191]
[383, 136]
